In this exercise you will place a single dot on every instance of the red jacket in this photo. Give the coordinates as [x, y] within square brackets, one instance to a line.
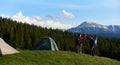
[81, 38]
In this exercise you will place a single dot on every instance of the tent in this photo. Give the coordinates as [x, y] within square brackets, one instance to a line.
[6, 49]
[46, 43]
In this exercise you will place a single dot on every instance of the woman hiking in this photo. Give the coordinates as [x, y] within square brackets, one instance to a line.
[80, 42]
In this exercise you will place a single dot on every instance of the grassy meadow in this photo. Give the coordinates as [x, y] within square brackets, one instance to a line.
[27, 57]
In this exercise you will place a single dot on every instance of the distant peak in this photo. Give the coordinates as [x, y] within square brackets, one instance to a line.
[84, 23]
[92, 24]
[87, 23]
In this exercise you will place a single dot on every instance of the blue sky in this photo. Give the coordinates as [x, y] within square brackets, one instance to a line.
[62, 13]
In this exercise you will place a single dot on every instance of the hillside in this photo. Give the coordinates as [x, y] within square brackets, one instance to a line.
[54, 58]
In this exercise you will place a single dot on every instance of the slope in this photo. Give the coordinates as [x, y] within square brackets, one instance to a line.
[54, 58]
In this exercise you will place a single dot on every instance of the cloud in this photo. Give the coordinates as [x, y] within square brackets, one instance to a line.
[20, 18]
[49, 23]
[67, 14]
[39, 21]
[54, 24]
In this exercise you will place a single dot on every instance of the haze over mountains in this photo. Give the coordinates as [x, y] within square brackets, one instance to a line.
[98, 29]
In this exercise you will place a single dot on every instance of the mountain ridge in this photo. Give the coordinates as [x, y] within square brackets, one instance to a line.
[98, 29]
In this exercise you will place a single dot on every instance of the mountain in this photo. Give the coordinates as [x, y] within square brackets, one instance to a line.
[98, 29]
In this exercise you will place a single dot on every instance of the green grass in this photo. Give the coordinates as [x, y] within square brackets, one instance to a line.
[27, 57]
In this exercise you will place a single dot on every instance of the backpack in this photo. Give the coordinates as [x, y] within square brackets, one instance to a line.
[76, 41]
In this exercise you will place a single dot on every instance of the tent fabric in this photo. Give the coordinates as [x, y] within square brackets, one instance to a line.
[6, 49]
[46, 43]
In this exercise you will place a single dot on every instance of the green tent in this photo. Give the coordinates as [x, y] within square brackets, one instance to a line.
[46, 43]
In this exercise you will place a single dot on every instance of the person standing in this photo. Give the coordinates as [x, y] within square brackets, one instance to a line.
[93, 42]
[80, 42]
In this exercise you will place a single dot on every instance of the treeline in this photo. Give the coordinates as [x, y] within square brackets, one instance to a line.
[25, 36]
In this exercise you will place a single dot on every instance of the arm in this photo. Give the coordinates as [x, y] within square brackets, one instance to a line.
[85, 36]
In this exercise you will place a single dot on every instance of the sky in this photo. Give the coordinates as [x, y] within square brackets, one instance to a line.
[62, 14]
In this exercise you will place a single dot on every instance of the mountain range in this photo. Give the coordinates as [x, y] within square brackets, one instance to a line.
[98, 29]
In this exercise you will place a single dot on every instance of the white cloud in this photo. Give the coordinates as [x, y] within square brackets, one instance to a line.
[49, 23]
[39, 21]
[20, 18]
[54, 24]
[67, 14]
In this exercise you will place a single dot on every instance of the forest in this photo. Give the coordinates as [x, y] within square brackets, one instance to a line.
[25, 36]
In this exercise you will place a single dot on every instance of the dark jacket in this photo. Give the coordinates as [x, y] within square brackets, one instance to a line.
[91, 41]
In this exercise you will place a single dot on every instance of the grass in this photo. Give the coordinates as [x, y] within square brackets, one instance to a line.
[27, 57]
